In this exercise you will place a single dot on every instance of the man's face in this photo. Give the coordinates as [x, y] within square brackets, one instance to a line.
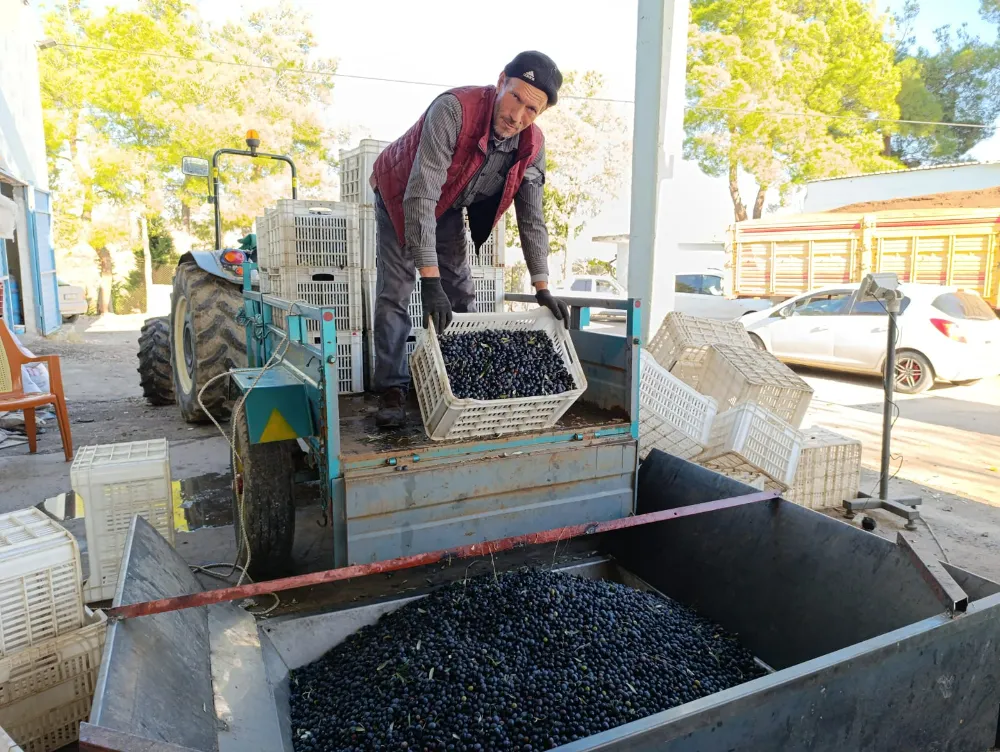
[518, 104]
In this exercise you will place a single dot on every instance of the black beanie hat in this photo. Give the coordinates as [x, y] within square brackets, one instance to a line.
[537, 69]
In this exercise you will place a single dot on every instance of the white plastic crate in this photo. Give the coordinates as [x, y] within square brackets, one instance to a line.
[747, 473]
[43, 687]
[316, 234]
[673, 417]
[488, 283]
[829, 470]
[494, 251]
[340, 288]
[367, 231]
[733, 375]
[411, 345]
[681, 334]
[751, 439]
[350, 362]
[7, 744]
[116, 482]
[356, 170]
[41, 580]
[260, 229]
[446, 417]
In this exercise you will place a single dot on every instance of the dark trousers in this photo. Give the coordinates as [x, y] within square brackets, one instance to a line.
[396, 279]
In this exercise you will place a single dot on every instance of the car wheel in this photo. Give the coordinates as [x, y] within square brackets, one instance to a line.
[757, 342]
[914, 373]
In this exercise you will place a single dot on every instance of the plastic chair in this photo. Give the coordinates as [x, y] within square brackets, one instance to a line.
[13, 396]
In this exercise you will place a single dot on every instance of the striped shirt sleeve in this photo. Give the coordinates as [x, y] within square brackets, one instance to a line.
[438, 139]
[531, 220]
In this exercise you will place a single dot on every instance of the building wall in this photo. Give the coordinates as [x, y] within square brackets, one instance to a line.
[22, 134]
[824, 195]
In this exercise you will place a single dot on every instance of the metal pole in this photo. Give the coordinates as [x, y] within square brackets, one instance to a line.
[888, 406]
[215, 207]
[660, 60]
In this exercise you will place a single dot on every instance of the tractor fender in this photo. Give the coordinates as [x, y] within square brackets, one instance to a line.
[211, 262]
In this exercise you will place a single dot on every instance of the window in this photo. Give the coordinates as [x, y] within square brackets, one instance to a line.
[687, 283]
[822, 304]
[698, 284]
[604, 285]
[964, 305]
[580, 285]
[712, 284]
[875, 308]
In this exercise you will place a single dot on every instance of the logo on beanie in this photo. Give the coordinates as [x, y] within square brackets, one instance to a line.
[530, 75]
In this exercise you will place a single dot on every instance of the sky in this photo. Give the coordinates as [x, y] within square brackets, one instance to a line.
[449, 42]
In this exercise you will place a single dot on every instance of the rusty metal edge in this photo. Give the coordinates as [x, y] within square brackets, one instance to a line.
[406, 562]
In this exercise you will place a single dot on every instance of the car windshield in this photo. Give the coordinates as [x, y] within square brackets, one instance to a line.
[964, 305]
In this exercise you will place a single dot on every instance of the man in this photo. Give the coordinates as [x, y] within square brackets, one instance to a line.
[475, 148]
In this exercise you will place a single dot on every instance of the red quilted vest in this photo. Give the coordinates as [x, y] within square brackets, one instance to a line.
[392, 168]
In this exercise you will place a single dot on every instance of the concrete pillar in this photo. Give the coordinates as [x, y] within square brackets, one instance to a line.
[658, 136]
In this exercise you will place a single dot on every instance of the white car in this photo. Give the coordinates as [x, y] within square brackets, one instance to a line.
[697, 294]
[596, 287]
[944, 333]
[72, 301]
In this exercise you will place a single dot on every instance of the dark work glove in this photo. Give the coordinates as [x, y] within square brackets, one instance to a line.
[559, 309]
[437, 307]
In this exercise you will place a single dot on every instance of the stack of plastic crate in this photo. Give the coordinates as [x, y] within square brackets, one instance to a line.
[752, 444]
[689, 337]
[761, 402]
[115, 482]
[829, 470]
[487, 262]
[673, 417]
[734, 375]
[50, 643]
[310, 252]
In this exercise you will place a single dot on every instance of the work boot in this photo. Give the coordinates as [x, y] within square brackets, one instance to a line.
[391, 408]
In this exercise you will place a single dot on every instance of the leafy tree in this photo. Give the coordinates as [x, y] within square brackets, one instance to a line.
[990, 10]
[750, 62]
[118, 123]
[587, 150]
[594, 267]
[960, 83]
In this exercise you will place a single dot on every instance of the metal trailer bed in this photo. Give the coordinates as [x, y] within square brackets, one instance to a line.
[396, 494]
[869, 646]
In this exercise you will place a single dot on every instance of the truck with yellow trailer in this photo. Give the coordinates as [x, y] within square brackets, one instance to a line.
[781, 256]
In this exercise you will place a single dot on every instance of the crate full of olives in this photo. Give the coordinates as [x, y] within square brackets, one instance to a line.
[495, 373]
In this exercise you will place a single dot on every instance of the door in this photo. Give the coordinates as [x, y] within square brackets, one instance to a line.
[43, 260]
[806, 332]
[5, 309]
[860, 338]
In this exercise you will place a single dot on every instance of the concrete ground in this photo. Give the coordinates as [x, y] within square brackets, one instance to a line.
[947, 441]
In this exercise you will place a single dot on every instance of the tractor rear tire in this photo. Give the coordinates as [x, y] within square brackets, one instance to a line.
[264, 504]
[155, 372]
[205, 341]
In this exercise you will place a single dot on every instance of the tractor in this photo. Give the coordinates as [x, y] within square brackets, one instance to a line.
[201, 338]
